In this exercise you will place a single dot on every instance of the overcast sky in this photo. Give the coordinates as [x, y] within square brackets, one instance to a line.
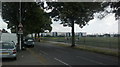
[106, 25]
[3, 24]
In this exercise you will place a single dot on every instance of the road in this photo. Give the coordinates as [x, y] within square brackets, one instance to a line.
[49, 54]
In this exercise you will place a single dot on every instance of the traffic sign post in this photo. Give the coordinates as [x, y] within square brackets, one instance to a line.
[20, 32]
[20, 25]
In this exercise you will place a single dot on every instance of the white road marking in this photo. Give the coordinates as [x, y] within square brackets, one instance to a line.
[62, 62]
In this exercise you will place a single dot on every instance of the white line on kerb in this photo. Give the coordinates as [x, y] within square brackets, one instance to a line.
[62, 62]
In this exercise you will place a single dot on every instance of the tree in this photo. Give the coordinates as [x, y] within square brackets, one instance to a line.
[73, 12]
[116, 9]
[33, 18]
[4, 31]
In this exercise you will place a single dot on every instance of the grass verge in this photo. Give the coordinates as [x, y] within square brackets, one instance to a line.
[96, 50]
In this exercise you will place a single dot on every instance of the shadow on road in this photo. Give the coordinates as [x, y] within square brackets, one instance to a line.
[8, 59]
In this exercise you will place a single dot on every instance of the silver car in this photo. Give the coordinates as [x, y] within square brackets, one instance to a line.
[8, 50]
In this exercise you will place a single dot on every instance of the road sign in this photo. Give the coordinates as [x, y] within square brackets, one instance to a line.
[20, 25]
[20, 31]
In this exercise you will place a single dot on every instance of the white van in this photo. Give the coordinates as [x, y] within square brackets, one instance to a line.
[8, 37]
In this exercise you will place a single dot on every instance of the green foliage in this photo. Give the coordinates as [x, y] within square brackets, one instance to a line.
[77, 12]
[4, 31]
[10, 12]
[116, 7]
[33, 18]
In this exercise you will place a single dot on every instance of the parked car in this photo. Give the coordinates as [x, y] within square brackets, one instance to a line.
[29, 42]
[8, 50]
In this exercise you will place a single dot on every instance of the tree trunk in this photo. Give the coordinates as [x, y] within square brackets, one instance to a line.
[35, 36]
[38, 37]
[31, 35]
[73, 35]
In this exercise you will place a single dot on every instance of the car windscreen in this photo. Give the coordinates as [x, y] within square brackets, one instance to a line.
[7, 46]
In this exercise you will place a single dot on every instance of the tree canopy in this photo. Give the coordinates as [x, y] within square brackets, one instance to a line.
[77, 12]
[116, 9]
[33, 18]
[4, 31]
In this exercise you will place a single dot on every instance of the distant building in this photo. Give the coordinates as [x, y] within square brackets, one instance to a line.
[54, 34]
[63, 34]
[68, 34]
[106, 35]
[42, 34]
[81, 34]
[112, 35]
[45, 34]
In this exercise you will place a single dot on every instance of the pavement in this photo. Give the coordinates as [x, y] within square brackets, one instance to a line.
[49, 54]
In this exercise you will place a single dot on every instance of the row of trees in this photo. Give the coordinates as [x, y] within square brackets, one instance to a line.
[36, 20]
